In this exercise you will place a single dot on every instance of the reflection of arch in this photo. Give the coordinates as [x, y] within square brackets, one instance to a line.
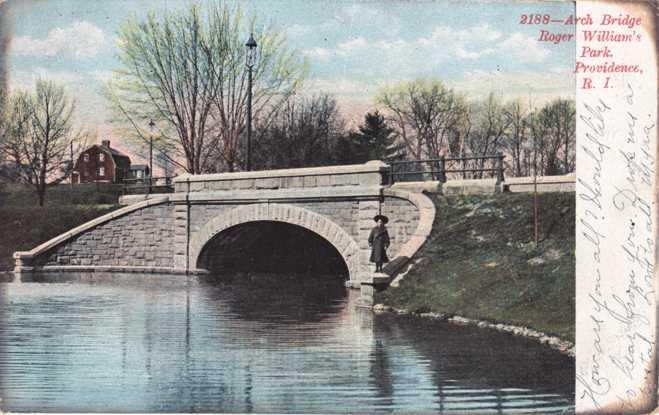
[319, 224]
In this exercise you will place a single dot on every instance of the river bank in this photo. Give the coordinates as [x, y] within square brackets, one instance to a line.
[481, 267]
[563, 346]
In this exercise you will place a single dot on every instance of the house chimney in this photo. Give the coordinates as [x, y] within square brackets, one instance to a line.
[105, 143]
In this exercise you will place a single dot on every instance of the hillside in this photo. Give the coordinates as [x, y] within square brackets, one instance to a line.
[481, 262]
[24, 227]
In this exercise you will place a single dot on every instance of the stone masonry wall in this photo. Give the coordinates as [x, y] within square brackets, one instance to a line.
[156, 235]
[337, 202]
[343, 213]
[201, 214]
[144, 238]
[354, 216]
[403, 221]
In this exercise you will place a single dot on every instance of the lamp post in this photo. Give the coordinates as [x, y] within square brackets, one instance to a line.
[535, 192]
[72, 163]
[250, 60]
[151, 127]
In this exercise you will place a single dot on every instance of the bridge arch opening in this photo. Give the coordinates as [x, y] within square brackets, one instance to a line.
[320, 226]
[271, 247]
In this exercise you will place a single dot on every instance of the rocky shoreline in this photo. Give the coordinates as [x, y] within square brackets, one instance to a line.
[563, 346]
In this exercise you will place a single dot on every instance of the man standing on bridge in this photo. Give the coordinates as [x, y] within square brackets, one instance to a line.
[378, 240]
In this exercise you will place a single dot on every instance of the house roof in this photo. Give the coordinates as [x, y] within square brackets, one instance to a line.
[114, 152]
[138, 167]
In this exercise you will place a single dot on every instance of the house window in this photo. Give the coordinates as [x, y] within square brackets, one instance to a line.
[86, 157]
[101, 157]
[139, 174]
[101, 171]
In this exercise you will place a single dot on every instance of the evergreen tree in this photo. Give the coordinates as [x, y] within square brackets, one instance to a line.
[375, 139]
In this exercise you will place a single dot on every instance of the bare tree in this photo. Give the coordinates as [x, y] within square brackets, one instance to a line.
[306, 131]
[40, 135]
[426, 115]
[563, 120]
[553, 131]
[517, 137]
[187, 72]
[14, 125]
[488, 128]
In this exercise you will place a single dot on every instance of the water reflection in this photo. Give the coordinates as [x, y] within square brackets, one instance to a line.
[147, 344]
[483, 371]
[293, 299]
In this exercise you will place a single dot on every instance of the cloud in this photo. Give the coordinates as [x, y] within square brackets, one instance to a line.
[26, 78]
[322, 54]
[354, 45]
[82, 39]
[523, 47]
[475, 34]
[479, 45]
[538, 87]
[338, 87]
[101, 75]
[365, 15]
[91, 109]
[297, 31]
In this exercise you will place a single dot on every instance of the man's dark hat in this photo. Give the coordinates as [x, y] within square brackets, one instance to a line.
[384, 218]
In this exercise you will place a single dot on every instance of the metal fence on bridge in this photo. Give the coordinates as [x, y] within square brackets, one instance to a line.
[148, 185]
[445, 168]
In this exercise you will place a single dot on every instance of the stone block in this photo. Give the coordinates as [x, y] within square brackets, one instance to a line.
[197, 186]
[344, 179]
[369, 204]
[222, 185]
[323, 181]
[309, 181]
[293, 182]
[267, 183]
[243, 184]
[370, 179]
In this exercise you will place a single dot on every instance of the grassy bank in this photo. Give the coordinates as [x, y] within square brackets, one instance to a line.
[481, 262]
[13, 194]
[24, 227]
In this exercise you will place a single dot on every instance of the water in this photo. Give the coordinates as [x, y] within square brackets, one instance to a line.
[166, 344]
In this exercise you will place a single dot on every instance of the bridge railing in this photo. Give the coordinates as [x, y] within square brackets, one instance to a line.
[448, 168]
[148, 185]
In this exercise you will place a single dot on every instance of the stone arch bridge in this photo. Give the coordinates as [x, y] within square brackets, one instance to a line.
[172, 233]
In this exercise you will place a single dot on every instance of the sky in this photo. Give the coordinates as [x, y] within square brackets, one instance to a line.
[353, 47]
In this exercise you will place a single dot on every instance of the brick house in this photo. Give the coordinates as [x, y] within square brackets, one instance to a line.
[101, 163]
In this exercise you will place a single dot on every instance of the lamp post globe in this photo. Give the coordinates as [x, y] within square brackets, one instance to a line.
[250, 58]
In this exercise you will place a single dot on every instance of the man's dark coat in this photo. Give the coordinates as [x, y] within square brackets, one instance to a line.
[379, 242]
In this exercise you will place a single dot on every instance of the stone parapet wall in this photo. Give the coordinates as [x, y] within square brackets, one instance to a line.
[471, 187]
[370, 174]
[566, 183]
